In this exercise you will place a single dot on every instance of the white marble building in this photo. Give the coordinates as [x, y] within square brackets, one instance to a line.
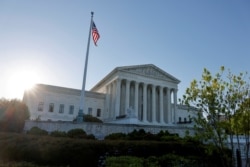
[140, 94]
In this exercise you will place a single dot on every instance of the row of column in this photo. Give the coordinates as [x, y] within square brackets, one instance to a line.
[150, 103]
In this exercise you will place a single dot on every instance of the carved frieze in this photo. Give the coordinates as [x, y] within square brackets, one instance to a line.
[148, 71]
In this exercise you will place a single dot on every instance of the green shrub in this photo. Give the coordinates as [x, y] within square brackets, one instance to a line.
[76, 133]
[116, 136]
[37, 131]
[124, 161]
[142, 135]
[58, 134]
[137, 135]
[90, 136]
[22, 164]
[176, 160]
[90, 118]
[151, 161]
[170, 138]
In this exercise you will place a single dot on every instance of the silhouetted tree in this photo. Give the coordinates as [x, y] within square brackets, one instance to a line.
[13, 114]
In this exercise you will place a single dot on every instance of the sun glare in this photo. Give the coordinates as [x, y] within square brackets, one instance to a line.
[21, 81]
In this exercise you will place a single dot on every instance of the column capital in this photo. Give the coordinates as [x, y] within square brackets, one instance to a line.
[107, 86]
[118, 80]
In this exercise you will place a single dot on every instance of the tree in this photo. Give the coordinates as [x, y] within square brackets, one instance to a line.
[236, 96]
[13, 114]
[217, 99]
[241, 126]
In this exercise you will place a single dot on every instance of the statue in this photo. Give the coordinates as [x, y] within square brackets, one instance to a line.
[130, 112]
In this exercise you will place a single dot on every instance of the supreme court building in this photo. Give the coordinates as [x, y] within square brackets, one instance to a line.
[138, 95]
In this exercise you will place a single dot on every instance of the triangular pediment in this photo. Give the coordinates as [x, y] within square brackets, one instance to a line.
[149, 70]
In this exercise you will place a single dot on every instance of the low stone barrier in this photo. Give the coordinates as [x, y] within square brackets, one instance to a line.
[100, 130]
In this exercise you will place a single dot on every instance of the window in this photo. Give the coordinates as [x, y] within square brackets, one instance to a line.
[89, 111]
[61, 108]
[179, 119]
[98, 113]
[40, 106]
[185, 120]
[71, 109]
[51, 107]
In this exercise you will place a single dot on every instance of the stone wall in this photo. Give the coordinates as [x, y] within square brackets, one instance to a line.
[100, 130]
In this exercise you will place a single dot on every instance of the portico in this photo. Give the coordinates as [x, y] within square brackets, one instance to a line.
[145, 90]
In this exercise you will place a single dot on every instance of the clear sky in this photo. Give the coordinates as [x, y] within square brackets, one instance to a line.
[45, 41]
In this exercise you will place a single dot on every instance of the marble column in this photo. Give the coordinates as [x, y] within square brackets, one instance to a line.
[127, 95]
[175, 104]
[144, 103]
[161, 106]
[169, 106]
[153, 104]
[112, 103]
[118, 96]
[136, 99]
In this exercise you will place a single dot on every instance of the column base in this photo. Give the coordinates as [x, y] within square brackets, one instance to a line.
[146, 122]
[155, 123]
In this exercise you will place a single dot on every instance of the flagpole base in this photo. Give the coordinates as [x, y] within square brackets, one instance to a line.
[79, 118]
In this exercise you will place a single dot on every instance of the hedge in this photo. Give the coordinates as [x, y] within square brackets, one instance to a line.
[61, 151]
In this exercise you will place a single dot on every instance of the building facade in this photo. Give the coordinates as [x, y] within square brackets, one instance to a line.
[140, 94]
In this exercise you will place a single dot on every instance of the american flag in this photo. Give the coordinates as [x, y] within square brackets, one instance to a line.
[95, 33]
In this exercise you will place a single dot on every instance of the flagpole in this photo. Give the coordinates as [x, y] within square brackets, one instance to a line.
[82, 98]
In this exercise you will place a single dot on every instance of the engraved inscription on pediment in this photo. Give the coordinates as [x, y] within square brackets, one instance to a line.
[148, 71]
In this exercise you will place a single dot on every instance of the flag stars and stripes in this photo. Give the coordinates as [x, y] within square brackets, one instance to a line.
[95, 33]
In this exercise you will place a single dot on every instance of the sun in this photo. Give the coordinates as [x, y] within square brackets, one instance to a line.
[19, 81]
